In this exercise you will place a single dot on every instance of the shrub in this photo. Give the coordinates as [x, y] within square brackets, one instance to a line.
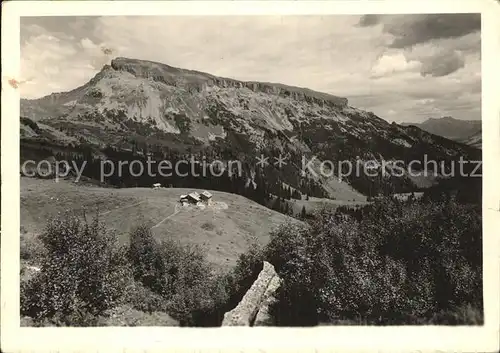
[246, 271]
[293, 253]
[227, 289]
[191, 282]
[83, 273]
[128, 316]
[179, 274]
[208, 226]
[140, 298]
[146, 259]
[31, 248]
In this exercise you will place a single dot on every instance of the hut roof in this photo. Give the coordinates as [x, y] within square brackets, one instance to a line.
[195, 196]
[206, 194]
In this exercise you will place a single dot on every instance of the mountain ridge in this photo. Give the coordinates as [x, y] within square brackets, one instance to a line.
[199, 80]
[135, 66]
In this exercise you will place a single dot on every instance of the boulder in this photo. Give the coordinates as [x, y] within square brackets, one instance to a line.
[264, 317]
[258, 296]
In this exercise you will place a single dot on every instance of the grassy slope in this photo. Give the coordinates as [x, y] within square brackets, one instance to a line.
[225, 233]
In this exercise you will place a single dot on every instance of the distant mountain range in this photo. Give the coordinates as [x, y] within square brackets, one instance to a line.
[465, 131]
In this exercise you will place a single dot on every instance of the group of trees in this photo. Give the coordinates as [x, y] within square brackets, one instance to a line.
[388, 264]
[288, 193]
[87, 278]
[284, 206]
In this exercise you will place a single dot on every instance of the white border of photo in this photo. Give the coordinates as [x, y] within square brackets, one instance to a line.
[326, 338]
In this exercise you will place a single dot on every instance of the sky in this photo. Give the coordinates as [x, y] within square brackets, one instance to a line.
[404, 68]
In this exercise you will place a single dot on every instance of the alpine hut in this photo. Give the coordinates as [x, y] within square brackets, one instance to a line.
[206, 196]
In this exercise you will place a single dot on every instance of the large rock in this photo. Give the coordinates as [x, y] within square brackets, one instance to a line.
[256, 300]
[264, 317]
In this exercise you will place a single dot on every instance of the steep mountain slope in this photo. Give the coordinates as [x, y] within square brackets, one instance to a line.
[146, 107]
[453, 129]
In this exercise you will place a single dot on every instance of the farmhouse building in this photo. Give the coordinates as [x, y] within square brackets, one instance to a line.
[196, 198]
[206, 196]
[193, 197]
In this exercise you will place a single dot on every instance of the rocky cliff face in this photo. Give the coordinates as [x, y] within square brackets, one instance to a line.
[155, 94]
[194, 81]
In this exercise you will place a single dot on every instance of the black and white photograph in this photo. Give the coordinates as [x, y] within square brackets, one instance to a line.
[266, 170]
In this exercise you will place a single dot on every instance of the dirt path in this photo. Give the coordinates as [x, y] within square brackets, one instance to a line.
[176, 210]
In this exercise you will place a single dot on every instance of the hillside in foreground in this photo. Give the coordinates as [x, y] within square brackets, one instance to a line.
[225, 230]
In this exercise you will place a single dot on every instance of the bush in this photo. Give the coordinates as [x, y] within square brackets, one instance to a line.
[147, 262]
[83, 273]
[180, 275]
[128, 316]
[208, 226]
[246, 271]
[31, 248]
[193, 283]
[294, 254]
[140, 298]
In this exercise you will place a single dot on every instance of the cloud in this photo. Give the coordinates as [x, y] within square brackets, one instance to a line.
[444, 56]
[440, 42]
[69, 27]
[349, 56]
[87, 44]
[408, 30]
[394, 63]
[442, 64]
[415, 29]
[56, 61]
